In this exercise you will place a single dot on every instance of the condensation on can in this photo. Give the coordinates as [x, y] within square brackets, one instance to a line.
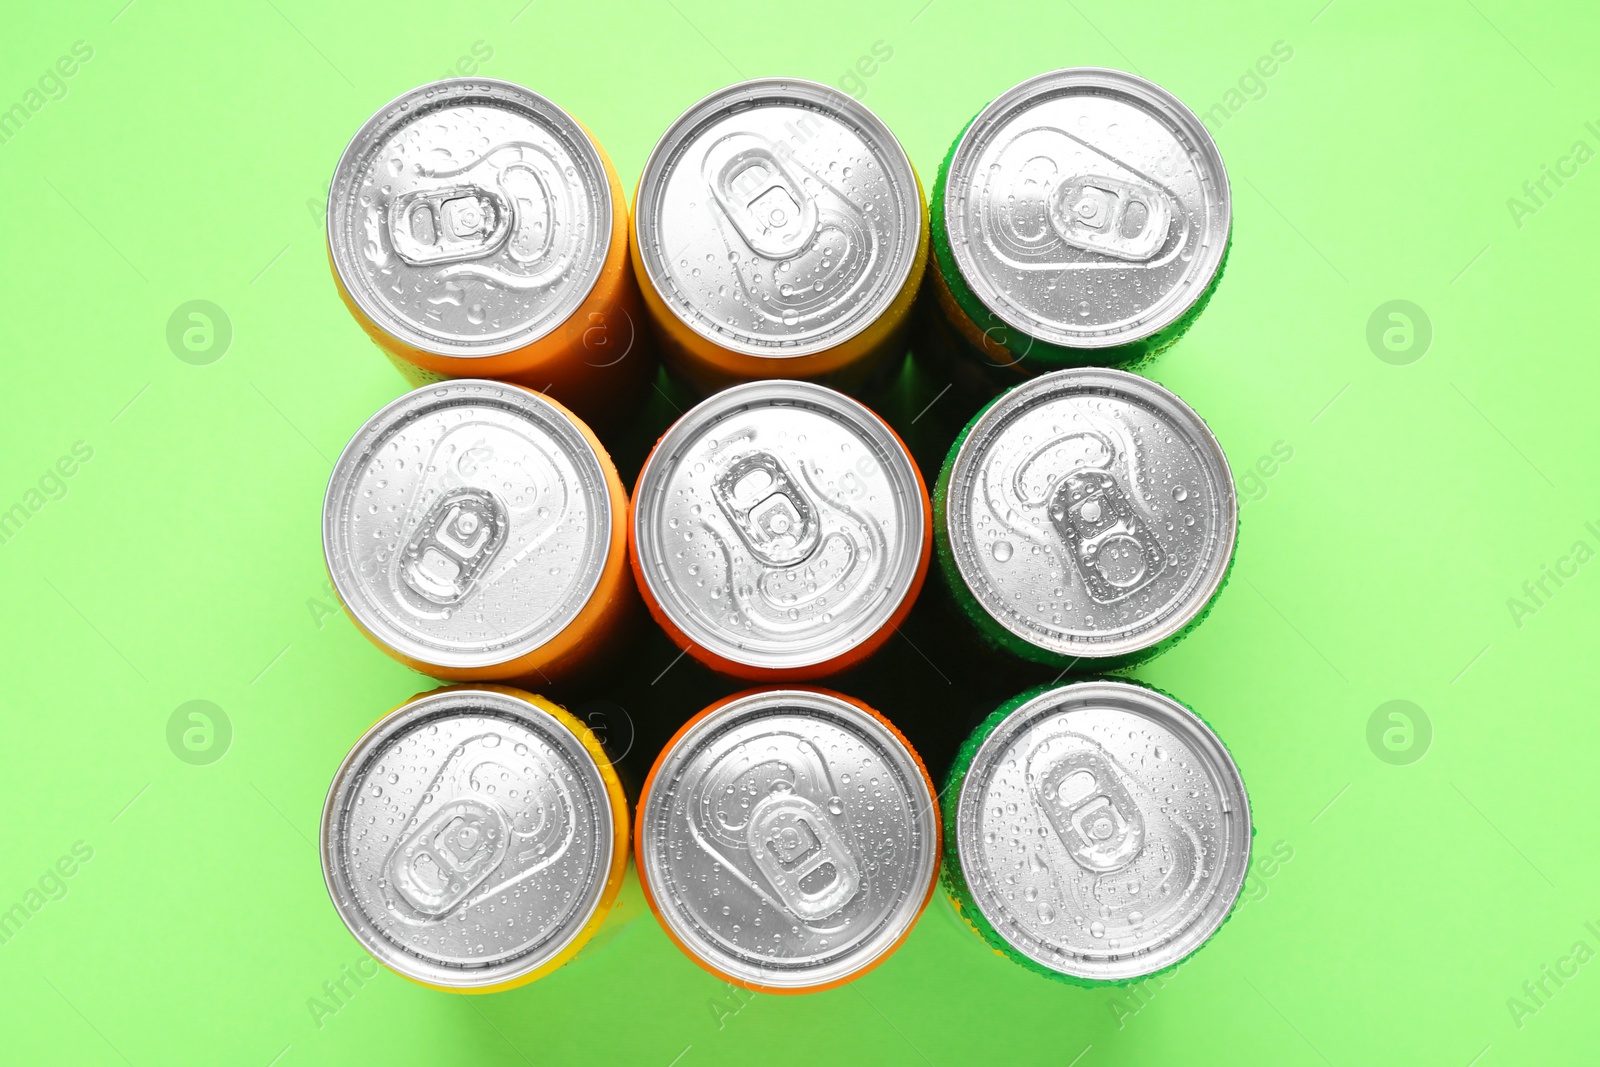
[780, 531]
[1097, 832]
[779, 232]
[477, 230]
[1085, 519]
[788, 839]
[1083, 217]
[476, 530]
[475, 838]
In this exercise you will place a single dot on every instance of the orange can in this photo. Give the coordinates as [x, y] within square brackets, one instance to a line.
[779, 232]
[468, 881]
[780, 531]
[477, 530]
[788, 839]
[476, 230]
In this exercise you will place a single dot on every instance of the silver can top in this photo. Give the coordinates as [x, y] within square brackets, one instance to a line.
[778, 217]
[1088, 208]
[469, 217]
[779, 524]
[467, 523]
[1103, 830]
[1091, 512]
[467, 838]
[788, 839]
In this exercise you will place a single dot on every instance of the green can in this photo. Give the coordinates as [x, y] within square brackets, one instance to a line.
[1082, 218]
[1085, 519]
[1095, 833]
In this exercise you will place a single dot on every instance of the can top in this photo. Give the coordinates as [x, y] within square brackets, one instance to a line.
[788, 839]
[1091, 512]
[469, 217]
[1103, 830]
[779, 524]
[1087, 207]
[467, 838]
[467, 523]
[778, 217]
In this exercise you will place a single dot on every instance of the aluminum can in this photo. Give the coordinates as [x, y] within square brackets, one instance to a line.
[1095, 832]
[1086, 519]
[780, 531]
[475, 838]
[476, 530]
[788, 839]
[779, 232]
[1081, 218]
[476, 230]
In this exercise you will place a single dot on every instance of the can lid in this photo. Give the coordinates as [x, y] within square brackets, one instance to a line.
[469, 217]
[779, 524]
[1103, 830]
[467, 839]
[1087, 208]
[467, 523]
[788, 839]
[1090, 512]
[778, 217]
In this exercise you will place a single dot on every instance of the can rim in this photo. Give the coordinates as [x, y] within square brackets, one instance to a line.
[712, 718]
[1178, 118]
[556, 119]
[1178, 414]
[513, 705]
[689, 428]
[556, 420]
[1167, 712]
[742, 96]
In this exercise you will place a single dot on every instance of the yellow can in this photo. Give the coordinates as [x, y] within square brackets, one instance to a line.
[475, 838]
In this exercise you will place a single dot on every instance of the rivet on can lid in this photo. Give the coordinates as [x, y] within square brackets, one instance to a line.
[778, 217]
[468, 839]
[779, 525]
[1102, 830]
[469, 217]
[788, 839]
[1087, 208]
[467, 523]
[1090, 513]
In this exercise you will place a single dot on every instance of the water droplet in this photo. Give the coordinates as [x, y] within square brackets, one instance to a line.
[1002, 551]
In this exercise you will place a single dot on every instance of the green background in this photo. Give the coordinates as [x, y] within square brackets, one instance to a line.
[188, 159]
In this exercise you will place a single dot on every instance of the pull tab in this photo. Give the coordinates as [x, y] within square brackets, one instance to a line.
[761, 196]
[766, 505]
[1117, 218]
[802, 855]
[448, 225]
[455, 541]
[1091, 809]
[1116, 552]
[448, 857]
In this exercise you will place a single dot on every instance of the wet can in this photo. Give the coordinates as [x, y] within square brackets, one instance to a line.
[476, 230]
[788, 839]
[780, 531]
[779, 232]
[476, 530]
[1082, 218]
[475, 838]
[1085, 519]
[1095, 832]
